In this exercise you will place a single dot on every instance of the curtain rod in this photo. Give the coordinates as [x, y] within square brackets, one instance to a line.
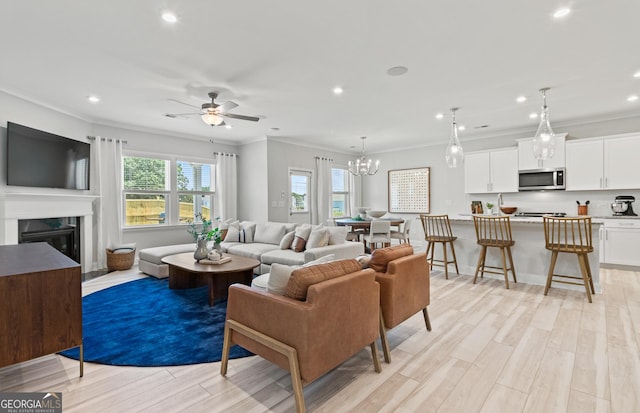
[93, 138]
[324, 159]
[226, 154]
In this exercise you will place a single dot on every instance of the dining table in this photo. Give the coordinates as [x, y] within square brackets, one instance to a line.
[362, 225]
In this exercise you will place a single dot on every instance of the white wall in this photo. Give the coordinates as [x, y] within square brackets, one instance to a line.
[253, 182]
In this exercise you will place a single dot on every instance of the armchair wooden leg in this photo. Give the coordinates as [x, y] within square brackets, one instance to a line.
[427, 321]
[384, 341]
[226, 345]
[376, 357]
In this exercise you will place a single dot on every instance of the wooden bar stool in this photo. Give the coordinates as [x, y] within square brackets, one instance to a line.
[571, 235]
[494, 231]
[437, 229]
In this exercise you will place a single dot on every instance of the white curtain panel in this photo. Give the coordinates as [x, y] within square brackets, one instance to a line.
[226, 186]
[108, 153]
[323, 205]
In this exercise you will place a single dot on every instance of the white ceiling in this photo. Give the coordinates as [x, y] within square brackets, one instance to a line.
[281, 59]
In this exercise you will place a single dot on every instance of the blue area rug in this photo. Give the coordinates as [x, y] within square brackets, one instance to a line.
[144, 323]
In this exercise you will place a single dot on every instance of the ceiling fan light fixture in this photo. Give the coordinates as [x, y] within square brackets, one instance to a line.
[211, 118]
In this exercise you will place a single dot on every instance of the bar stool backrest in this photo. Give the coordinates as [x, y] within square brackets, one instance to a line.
[568, 234]
[492, 230]
[436, 227]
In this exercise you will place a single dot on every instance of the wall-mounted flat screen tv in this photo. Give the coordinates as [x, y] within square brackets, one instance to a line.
[40, 159]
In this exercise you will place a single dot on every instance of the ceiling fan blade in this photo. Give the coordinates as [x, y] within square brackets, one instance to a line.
[183, 103]
[242, 117]
[227, 106]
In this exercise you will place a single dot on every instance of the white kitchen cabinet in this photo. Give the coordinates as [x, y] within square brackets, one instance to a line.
[491, 171]
[621, 241]
[527, 161]
[603, 163]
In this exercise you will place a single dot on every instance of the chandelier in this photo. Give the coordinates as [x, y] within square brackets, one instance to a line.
[454, 155]
[362, 165]
[544, 142]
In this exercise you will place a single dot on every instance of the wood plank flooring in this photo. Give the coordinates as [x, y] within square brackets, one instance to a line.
[491, 350]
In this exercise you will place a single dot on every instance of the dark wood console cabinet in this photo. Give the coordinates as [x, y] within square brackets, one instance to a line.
[40, 303]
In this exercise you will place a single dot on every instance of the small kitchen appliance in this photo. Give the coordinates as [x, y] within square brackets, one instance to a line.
[622, 206]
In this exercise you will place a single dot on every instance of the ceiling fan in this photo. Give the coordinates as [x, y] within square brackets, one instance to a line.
[212, 113]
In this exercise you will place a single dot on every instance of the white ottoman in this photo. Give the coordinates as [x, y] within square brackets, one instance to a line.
[150, 259]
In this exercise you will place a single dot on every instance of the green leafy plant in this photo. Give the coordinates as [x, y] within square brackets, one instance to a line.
[205, 230]
[489, 205]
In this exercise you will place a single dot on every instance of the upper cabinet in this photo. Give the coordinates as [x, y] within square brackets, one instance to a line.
[491, 171]
[603, 163]
[527, 161]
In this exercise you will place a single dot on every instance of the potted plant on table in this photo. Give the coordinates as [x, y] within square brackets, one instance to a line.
[489, 208]
[204, 233]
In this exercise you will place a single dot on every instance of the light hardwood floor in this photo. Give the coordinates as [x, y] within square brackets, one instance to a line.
[491, 350]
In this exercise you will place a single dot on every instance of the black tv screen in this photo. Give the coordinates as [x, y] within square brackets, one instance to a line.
[40, 159]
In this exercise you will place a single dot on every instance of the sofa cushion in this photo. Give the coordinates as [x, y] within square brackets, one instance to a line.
[318, 238]
[280, 274]
[287, 257]
[269, 233]
[287, 240]
[156, 254]
[247, 231]
[260, 282]
[302, 278]
[380, 257]
[337, 235]
[251, 250]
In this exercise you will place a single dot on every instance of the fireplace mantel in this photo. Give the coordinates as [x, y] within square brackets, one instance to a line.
[16, 206]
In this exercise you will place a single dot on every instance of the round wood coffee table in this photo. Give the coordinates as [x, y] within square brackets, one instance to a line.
[185, 272]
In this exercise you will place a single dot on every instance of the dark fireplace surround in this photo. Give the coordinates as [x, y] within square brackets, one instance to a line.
[61, 233]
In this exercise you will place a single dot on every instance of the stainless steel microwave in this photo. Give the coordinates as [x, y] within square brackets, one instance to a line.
[541, 179]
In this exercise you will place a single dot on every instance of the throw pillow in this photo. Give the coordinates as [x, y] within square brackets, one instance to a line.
[302, 278]
[247, 229]
[300, 238]
[279, 277]
[337, 235]
[233, 233]
[287, 240]
[380, 257]
[317, 238]
[364, 260]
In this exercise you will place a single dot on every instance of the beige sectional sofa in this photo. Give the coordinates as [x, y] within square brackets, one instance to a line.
[266, 242]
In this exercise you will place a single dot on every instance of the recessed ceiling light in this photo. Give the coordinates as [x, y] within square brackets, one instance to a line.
[439, 116]
[632, 98]
[169, 17]
[560, 13]
[461, 128]
[227, 126]
[521, 99]
[338, 90]
[637, 74]
[397, 71]
[93, 99]
[533, 115]
[275, 129]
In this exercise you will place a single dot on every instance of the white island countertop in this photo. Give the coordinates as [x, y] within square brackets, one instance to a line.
[531, 258]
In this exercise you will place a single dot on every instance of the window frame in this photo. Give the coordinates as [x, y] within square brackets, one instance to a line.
[346, 193]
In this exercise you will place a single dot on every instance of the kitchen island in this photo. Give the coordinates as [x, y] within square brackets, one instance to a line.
[530, 258]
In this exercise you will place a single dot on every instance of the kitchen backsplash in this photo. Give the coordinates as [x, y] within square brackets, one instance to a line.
[556, 201]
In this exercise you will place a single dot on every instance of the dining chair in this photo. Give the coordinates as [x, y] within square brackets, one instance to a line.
[494, 231]
[379, 233]
[437, 230]
[573, 236]
[403, 236]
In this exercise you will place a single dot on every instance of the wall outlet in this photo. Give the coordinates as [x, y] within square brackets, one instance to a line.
[274, 204]
[281, 204]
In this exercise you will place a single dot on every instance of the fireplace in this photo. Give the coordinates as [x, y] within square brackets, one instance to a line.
[62, 234]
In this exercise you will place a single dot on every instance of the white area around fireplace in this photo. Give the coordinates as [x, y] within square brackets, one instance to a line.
[14, 207]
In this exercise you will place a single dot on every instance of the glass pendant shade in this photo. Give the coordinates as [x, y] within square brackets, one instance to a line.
[454, 154]
[211, 119]
[362, 165]
[544, 141]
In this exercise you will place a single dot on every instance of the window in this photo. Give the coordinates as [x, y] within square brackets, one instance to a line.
[166, 191]
[340, 189]
[195, 194]
[300, 183]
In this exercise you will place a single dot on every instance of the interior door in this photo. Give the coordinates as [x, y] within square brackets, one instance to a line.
[300, 196]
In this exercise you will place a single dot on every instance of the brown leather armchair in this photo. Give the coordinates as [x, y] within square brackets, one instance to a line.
[334, 317]
[404, 287]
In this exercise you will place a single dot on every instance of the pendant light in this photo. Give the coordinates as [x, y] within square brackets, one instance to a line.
[362, 165]
[544, 141]
[454, 155]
